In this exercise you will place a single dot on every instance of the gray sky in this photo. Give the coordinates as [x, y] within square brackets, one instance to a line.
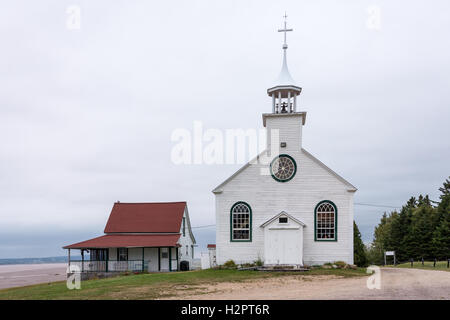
[86, 115]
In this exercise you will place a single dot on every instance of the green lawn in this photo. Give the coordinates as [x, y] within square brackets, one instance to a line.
[151, 286]
[440, 265]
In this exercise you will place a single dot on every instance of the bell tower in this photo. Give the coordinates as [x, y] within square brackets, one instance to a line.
[285, 91]
[285, 120]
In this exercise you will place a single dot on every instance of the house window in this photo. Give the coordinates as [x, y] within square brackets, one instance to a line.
[325, 221]
[187, 250]
[283, 220]
[184, 226]
[241, 222]
[122, 254]
[192, 251]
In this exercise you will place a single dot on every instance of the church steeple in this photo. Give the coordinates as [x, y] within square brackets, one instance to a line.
[284, 93]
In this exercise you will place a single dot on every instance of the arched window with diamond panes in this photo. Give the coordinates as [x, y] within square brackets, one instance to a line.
[325, 221]
[241, 222]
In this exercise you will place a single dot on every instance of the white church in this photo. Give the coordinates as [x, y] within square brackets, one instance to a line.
[290, 209]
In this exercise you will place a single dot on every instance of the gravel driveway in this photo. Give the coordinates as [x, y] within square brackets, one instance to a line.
[396, 284]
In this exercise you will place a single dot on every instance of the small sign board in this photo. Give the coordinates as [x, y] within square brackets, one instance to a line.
[390, 253]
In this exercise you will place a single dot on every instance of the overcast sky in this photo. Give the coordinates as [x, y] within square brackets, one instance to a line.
[86, 116]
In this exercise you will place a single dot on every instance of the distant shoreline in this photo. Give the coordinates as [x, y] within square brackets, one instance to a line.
[45, 260]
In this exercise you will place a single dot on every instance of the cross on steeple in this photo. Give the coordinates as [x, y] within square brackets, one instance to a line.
[284, 93]
[285, 30]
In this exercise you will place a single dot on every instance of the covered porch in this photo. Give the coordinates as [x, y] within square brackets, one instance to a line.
[126, 253]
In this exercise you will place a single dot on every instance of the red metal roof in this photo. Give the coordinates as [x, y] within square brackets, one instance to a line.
[146, 217]
[128, 241]
[211, 246]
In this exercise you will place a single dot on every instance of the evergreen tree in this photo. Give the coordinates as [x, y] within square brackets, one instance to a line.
[359, 252]
[382, 237]
[418, 242]
[401, 228]
[418, 230]
[445, 189]
[441, 236]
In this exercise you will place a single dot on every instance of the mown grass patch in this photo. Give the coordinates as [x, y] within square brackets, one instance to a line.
[428, 265]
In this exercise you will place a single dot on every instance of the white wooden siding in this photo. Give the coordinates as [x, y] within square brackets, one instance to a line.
[184, 241]
[290, 131]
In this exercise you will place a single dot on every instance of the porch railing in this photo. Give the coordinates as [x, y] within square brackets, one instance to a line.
[109, 266]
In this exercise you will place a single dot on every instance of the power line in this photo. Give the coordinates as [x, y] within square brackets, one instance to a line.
[205, 226]
[376, 205]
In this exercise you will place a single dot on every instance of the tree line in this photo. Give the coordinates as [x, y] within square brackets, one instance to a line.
[420, 230]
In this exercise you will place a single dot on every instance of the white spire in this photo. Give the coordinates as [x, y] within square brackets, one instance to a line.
[284, 93]
[285, 77]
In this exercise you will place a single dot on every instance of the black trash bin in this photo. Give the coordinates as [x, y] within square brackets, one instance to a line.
[184, 265]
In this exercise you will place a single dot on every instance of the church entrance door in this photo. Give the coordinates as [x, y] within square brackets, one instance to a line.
[283, 240]
[283, 246]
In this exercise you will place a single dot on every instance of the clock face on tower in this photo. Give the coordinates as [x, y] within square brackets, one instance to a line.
[283, 168]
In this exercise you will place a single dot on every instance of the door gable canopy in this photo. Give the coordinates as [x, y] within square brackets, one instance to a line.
[283, 214]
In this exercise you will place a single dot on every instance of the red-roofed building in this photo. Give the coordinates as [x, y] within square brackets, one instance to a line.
[140, 237]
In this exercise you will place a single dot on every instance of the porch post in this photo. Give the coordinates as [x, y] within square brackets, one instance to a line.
[142, 259]
[69, 259]
[82, 260]
[178, 263]
[170, 259]
[159, 259]
[107, 259]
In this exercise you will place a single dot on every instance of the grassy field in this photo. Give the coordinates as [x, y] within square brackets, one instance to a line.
[428, 265]
[153, 286]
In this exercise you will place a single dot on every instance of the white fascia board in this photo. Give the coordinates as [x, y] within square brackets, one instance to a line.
[352, 188]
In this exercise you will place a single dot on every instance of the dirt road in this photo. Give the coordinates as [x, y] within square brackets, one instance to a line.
[26, 274]
[395, 284]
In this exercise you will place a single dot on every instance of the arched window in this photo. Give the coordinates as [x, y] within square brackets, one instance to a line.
[241, 222]
[325, 221]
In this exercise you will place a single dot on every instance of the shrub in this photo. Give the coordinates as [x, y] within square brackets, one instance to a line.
[259, 262]
[247, 265]
[340, 264]
[230, 264]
